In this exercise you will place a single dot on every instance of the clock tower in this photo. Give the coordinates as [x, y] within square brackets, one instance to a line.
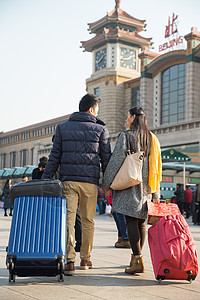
[115, 48]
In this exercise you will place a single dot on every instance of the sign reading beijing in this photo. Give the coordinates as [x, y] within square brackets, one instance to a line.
[171, 31]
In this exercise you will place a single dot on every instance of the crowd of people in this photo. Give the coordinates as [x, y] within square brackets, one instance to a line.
[188, 201]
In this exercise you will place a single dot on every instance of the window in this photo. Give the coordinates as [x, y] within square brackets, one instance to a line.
[37, 132]
[135, 96]
[96, 92]
[23, 157]
[3, 160]
[5, 140]
[15, 138]
[13, 158]
[32, 154]
[173, 95]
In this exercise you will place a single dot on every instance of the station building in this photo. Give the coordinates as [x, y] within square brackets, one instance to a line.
[126, 73]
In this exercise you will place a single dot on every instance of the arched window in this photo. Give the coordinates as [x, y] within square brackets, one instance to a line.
[173, 94]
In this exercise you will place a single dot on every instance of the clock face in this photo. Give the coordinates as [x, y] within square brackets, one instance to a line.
[100, 61]
[128, 58]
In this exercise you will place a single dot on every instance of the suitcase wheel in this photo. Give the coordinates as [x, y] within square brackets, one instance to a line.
[160, 278]
[191, 278]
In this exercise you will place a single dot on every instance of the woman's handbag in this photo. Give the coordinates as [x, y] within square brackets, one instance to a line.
[130, 173]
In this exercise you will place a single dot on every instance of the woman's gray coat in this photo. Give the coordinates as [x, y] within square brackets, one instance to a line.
[132, 201]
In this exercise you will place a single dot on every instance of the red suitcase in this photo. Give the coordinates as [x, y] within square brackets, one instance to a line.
[172, 249]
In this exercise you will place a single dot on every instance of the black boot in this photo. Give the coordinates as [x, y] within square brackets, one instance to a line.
[10, 214]
[5, 212]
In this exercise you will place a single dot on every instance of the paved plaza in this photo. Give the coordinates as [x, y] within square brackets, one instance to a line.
[106, 281]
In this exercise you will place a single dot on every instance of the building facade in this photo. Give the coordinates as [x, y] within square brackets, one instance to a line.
[26, 145]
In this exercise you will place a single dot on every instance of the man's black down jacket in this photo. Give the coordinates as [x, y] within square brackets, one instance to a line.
[80, 145]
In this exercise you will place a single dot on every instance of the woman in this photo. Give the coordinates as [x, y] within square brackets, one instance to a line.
[6, 198]
[132, 202]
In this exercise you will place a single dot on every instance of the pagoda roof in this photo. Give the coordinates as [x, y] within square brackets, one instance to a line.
[194, 34]
[119, 17]
[116, 35]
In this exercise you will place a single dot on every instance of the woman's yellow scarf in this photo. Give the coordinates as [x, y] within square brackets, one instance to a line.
[155, 164]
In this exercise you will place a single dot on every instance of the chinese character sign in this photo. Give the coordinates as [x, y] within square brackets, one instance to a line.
[172, 26]
[170, 30]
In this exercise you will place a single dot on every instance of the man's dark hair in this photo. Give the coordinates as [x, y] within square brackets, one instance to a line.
[88, 101]
[179, 185]
[44, 159]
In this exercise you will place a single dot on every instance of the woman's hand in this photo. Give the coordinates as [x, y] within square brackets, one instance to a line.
[156, 200]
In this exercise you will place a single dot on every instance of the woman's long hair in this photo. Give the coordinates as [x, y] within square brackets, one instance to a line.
[140, 129]
[6, 185]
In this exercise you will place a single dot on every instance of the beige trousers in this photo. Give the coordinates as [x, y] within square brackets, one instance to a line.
[86, 194]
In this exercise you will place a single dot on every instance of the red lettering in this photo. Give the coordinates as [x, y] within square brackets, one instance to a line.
[165, 46]
[172, 43]
[180, 39]
[167, 29]
[174, 25]
[177, 41]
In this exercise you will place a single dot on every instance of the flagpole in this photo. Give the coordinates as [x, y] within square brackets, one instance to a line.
[184, 175]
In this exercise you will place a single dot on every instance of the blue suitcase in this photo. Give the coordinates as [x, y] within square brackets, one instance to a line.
[37, 242]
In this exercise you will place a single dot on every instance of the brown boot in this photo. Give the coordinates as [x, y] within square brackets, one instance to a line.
[138, 265]
[123, 244]
[119, 240]
[132, 260]
[69, 269]
[85, 265]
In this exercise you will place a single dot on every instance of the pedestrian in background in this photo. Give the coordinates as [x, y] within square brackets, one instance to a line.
[132, 202]
[6, 198]
[188, 201]
[38, 172]
[80, 144]
[120, 221]
[180, 195]
[101, 198]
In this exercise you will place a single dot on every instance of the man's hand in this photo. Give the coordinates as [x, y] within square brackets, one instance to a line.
[156, 200]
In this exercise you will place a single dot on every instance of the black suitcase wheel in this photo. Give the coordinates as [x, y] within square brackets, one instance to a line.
[191, 278]
[160, 278]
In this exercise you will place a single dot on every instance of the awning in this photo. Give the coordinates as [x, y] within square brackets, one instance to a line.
[16, 172]
[174, 155]
[29, 170]
[178, 167]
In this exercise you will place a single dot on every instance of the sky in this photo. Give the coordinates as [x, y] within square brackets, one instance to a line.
[42, 67]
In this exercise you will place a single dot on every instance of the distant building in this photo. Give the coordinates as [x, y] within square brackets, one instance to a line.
[24, 146]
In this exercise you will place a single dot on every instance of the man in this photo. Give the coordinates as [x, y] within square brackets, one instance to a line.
[180, 194]
[38, 172]
[188, 201]
[79, 146]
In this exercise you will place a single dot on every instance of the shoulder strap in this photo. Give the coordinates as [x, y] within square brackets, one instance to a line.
[128, 143]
